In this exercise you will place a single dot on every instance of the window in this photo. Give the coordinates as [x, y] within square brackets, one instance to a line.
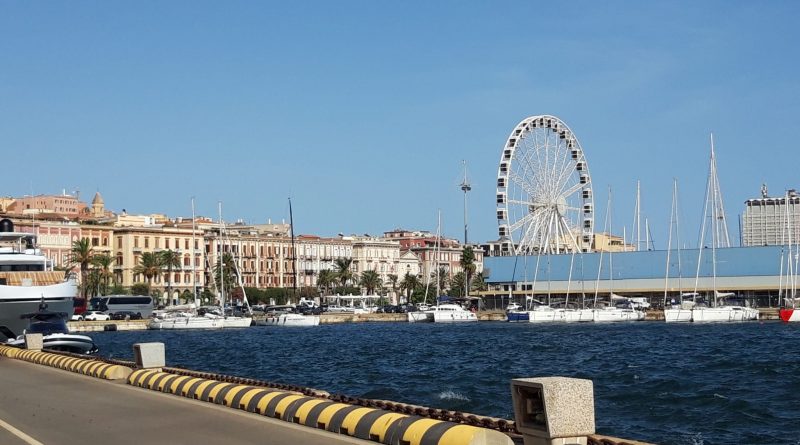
[146, 242]
[135, 242]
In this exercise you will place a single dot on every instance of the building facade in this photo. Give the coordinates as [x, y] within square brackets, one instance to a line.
[768, 221]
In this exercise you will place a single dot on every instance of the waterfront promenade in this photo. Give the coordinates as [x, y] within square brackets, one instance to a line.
[54, 407]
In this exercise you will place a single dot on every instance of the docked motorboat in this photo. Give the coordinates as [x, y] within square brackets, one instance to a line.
[26, 276]
[452, 313]
[55, 334]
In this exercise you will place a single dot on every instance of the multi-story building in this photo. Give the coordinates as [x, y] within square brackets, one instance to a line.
[443, 253]
[377, 254]
[64, 204]
[315, 254]
[769, 221]
[129, 243]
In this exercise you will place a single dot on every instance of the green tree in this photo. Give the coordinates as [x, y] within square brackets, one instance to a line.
[393, 280]
[326, 279]
[103, 262]
[457, 285]
[81, 253]
[370, 280]
[442, 277]
[149, 266]
[467, 264]
[343, 271]
[170, 259]
[225, 273]
[140, 289]
[409, 283]
[479, 282]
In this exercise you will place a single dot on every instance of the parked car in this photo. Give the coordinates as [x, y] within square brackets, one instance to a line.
[76, 317]
[388, 309]
[126, 315]
[96, 316]
[308, 310]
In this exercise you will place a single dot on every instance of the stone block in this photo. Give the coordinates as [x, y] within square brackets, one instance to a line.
[149, 355]
[34, 342]
[553, 410]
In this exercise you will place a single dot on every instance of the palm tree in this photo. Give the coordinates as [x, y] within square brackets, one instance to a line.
[479, 282]
[409, 283]
[457, 285]
[103, 262]
[393, 281]
[468, 263]
[149, 266]
[228, 271]
[370, 280]
[442, 276]
[82, 253]
[343, 271]
[170, 259]
[325, 279]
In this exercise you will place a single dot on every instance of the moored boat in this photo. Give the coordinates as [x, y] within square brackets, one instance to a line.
[26, 278]
[452, 313]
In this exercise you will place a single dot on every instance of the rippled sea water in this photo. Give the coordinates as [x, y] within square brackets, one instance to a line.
[664, 383]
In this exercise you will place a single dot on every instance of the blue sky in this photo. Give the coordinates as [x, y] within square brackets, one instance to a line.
[362, 111]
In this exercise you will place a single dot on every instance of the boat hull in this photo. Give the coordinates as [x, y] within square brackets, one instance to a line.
[76, 344]
[420, 317]
[677, 315]
[183, 323]
[790, 315]
[517, 316]
[18, 300]
[237, 322]
[289, 320]
[724, 314]
[613, 315]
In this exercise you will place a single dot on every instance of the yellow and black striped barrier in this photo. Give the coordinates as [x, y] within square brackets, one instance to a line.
[357, 421]
[90, 367]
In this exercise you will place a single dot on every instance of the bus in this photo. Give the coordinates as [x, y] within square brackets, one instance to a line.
[136, 304]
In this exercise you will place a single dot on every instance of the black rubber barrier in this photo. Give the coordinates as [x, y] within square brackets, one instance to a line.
[356, 421]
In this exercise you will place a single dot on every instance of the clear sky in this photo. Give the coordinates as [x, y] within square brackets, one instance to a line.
[362, 111]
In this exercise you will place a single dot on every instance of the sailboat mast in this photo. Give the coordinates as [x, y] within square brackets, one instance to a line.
[669, 242]
[294, 252]
[194, 278]
[221, 261]
[436, 252]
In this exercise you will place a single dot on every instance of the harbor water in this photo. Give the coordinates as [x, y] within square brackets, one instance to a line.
[664, 383]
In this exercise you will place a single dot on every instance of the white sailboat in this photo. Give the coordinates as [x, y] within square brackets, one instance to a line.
[675, 311]
[718, 308]
[229, 321]
[611, 312]
[185, 316]
[424, 312]
[286, 315]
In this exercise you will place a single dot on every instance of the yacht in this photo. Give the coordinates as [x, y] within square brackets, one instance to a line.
[724, 309]
[183, 319]
[286, 316]
[55, 335]
[452, 313]
[25, 278]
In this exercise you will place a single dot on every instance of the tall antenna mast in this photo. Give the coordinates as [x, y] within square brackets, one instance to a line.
[465, 187]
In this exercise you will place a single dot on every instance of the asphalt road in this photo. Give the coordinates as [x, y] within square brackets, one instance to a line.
[55, 407]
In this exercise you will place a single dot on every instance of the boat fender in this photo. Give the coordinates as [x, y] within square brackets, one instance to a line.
[110, 327]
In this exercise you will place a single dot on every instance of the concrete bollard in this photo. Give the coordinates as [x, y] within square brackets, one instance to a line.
[34, 342]
[553, 410]
[149, 355]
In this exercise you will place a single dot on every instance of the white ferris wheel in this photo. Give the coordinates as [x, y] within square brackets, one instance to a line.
[545, 202]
